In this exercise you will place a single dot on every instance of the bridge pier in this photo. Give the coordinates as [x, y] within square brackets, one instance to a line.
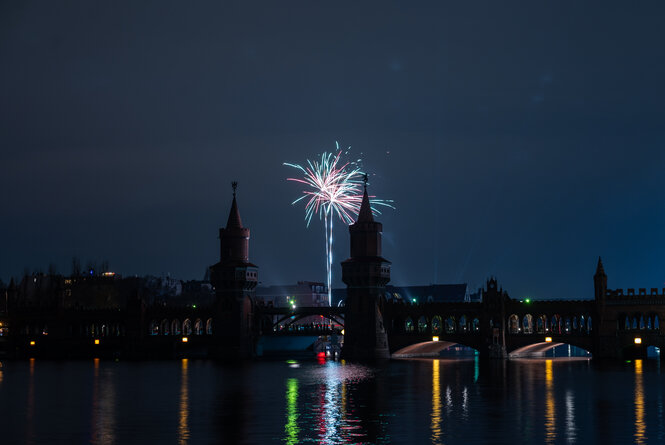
[496, 352]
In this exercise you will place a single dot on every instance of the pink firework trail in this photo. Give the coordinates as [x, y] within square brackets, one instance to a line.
[332, 188]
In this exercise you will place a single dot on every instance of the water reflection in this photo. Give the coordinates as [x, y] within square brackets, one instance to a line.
[30, 411]
[550, 412]
[103, 407]
[640, 424]
[436, 403]
[571, 430]
[291, 428]
[327, 404]
[183, 418]
[425, 401]
[476, 368]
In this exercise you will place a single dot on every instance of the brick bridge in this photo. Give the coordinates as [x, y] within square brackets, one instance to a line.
[613, 324]
[608, 326]
[499, 326]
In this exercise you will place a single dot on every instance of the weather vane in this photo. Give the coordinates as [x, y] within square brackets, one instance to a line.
[234, 185]
[365, 179]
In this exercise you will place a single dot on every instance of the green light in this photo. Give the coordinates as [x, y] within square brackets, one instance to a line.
[476, 368]
[291, 428]
[194, 306]
[527, 301]
[414, 300]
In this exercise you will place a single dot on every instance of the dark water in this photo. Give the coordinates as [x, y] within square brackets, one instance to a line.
[445, 401]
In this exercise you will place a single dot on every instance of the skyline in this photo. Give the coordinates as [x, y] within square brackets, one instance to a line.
[521, 143]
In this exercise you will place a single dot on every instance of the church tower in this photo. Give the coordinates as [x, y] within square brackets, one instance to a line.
[234, 279]
[365, 274]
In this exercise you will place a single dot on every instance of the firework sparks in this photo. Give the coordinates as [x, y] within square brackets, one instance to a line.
[333, 187]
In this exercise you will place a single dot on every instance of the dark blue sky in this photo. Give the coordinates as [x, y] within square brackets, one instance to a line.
[521, 141]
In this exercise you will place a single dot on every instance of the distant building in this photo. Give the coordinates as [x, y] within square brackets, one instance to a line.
[304, 293]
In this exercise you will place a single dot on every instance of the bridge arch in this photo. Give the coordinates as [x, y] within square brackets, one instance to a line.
[289, 319]
[164, 327]
[422, 324]
[462, 324]
[555, 324]
[198, 327]
[430, 348]
[527, 324]
[422, 349]
[175, 327]
[187, 327]
[638, 322]
[450, 325]
[538, 349]
[437, 325]
[513, 324]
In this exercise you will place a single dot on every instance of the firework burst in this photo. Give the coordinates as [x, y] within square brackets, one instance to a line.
[333, 187]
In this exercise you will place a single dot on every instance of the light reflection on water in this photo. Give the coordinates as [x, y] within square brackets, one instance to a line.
[441, 401]
[183, 418]
[325, 413]
[550, 411]
[436, 403]
[103, 406]
[291, 428]
[640, 425]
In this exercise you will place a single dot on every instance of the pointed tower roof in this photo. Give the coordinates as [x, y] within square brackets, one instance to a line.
[365, 212]
[599, 268]
[234, 221]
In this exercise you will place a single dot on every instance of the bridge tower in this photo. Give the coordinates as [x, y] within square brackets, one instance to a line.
[234, 279]
[603, 325]
[365, 274]
[493, 325]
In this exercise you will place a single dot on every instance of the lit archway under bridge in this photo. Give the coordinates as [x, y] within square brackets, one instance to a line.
[540, 349]
[423, 349]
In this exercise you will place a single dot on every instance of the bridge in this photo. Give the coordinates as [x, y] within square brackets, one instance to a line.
[499, 326]
[613, 324]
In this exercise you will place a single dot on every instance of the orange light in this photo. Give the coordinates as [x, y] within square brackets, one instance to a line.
[435, 338]
[32, 343]
[96, 341]
[185, 339]
[638, 341]
[548, 339]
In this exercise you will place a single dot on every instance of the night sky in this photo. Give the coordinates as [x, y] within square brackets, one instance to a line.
[519, 141]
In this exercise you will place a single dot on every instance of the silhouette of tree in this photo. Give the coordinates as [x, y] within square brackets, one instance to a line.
[76, 267]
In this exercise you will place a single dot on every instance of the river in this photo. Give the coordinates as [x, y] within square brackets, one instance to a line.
[418, 401]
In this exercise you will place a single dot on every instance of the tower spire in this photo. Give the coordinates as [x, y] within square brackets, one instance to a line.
[599, 269]
[365, 212]
[600, 282]
[234, 220]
